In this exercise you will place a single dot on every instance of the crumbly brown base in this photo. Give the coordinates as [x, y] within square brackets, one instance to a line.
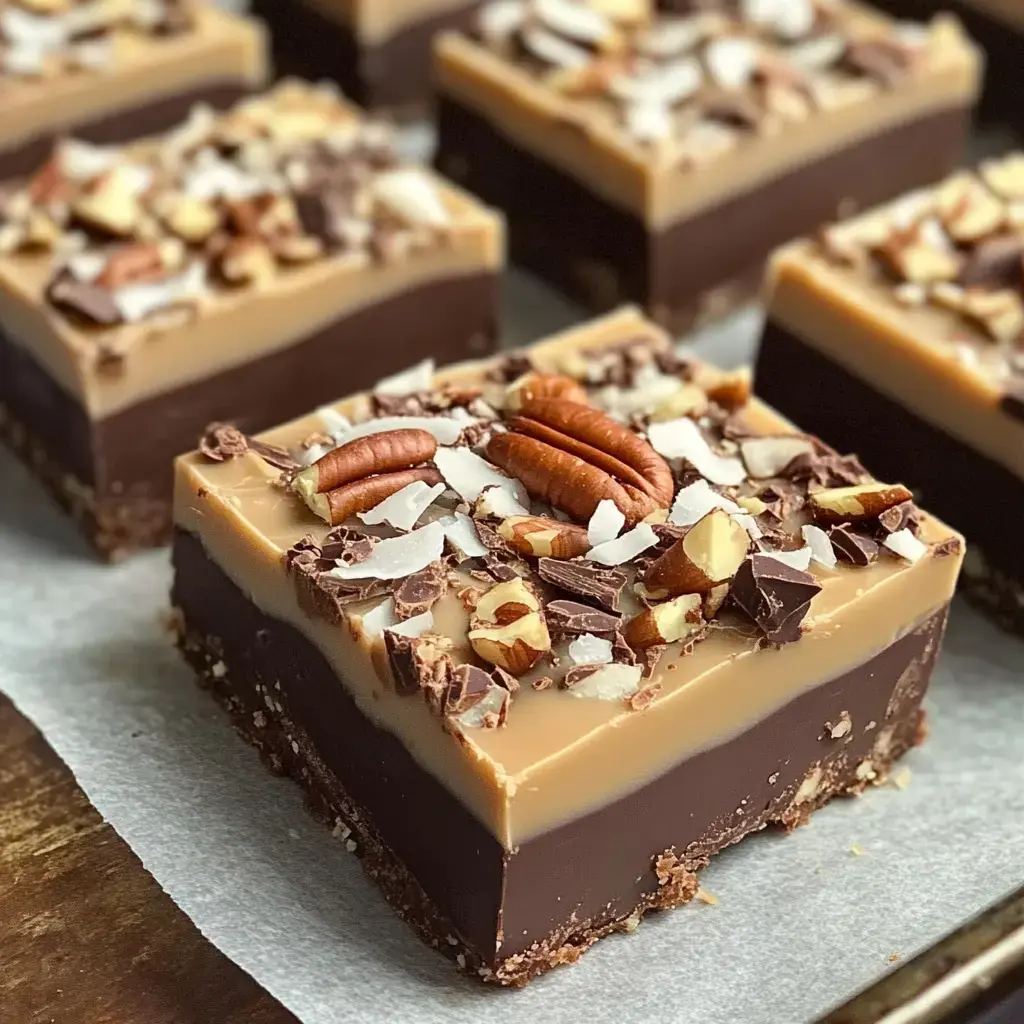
[286, 750]
[114, 527]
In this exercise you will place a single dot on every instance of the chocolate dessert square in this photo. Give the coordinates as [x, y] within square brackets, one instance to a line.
[901, 334]
[379, 51]
[240, 267]
[112, 72]
[998, 27]
[659, 158]
[541, 635]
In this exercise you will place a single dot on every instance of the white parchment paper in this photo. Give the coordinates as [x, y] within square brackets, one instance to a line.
[801, 922]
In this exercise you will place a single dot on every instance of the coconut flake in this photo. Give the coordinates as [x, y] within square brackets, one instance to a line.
[213, 178]
[397, 557]
[136, 301]
[497, 501]
[749, 523]
[731, 61]
[334, 423]
[816, 54]
[460, 532]
[648, 122]
[444, 429]
[610, 682]
[32, 31]
[498, 21]
[404, 508]
[694, 502]
[591, 650]
[626, 547]
[86, 266]
[665, 85]
[380, 617]
[906, 545]
[682, 439]
[554, 49]
[799, 559]
[412, 196]
[416, 626]
[469, 475]
[606, 523]
[81, 160]
[577, 21]
[416, 378]
[820, 546]
[768, 456]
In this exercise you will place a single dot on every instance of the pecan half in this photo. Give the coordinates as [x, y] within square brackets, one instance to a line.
[573, 457]
[544, 385]
[360, 474]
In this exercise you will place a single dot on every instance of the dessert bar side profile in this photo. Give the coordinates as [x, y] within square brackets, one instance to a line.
[671, 155]
[525, 584]
[231, 268]
[901, 333]
[110, 73]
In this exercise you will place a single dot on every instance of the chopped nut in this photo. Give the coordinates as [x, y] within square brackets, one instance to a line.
[1000, 314]
[541, 537]
[247, 261]
[853, 504]
[918, 262]
[515, 647]
[111, 203]
[191, 219]
[709, 554]
[1005, 176]
[505, 603]
[689, 400]
[543, 385]
[729, 390]
[967, 209]
[665, 623]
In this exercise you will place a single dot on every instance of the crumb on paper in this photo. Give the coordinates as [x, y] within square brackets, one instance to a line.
[708, 898]
[901, 777]
[857, 850]
[894, 957]
[292, 834]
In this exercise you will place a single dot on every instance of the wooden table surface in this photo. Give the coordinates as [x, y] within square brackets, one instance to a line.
[86, 934]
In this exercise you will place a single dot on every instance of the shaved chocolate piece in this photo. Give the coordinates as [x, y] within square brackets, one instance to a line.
[499, 568]
[602, 586]
[272, 454]
[543, 683]
[994, 263]
[622, 653]
[356, 549]
[644, 697]
[419, 592]
[83, 301]
[947, 547]
[417, 662]
[573, 618]
[900, 517]
[827, 469]
[466, 687]
[511, 367]
[852, 546]
[732, 108]
[222, 442]
[775, 596]
[652, 655]
[883, 61]
[504, 679]
[577, 674]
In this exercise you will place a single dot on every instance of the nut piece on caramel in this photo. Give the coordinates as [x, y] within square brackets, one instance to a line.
[853, 504]
[541, 537]
[665, 623]
[505, 603]
[514, 636]
[709, 554]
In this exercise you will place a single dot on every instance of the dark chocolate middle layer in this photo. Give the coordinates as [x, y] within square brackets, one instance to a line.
[977, 496]
[127, 456]
[575, 879]
[603, 255]
[130, 121]
[394, 74]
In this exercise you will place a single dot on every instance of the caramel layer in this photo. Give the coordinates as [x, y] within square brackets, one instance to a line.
[910, 355]
[376, 21]
[219, 47]
[558, 756]
[583, 139]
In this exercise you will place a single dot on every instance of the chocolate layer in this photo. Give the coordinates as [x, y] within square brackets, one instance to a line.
[1004, 54]
[130, 122]
[602, 255]
[979, 497]
[126, 458]
[395, 74]
[518, 913]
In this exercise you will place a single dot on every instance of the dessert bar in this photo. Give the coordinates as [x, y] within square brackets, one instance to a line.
[659, 158]
[379, 51]
[998, 27]
[242, 267]
[112, 72]
[543, 635]
[901, 334]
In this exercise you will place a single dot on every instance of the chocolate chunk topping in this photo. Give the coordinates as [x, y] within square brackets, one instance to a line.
[994, 263]
[644, 697]
[417, 663]
[577, 674]
[950, 546]
[573, 618]
[498, 567]
[467, 686]
[602, 586]
[622, 653]
[322, 215]
[272, 454]
[827, 469]
[511, 367]
[222, 442]
[900, 517]
[885, 62]
[652, 655]
[419, 592]
[775, 596]
[83, 301]
[853, 546]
